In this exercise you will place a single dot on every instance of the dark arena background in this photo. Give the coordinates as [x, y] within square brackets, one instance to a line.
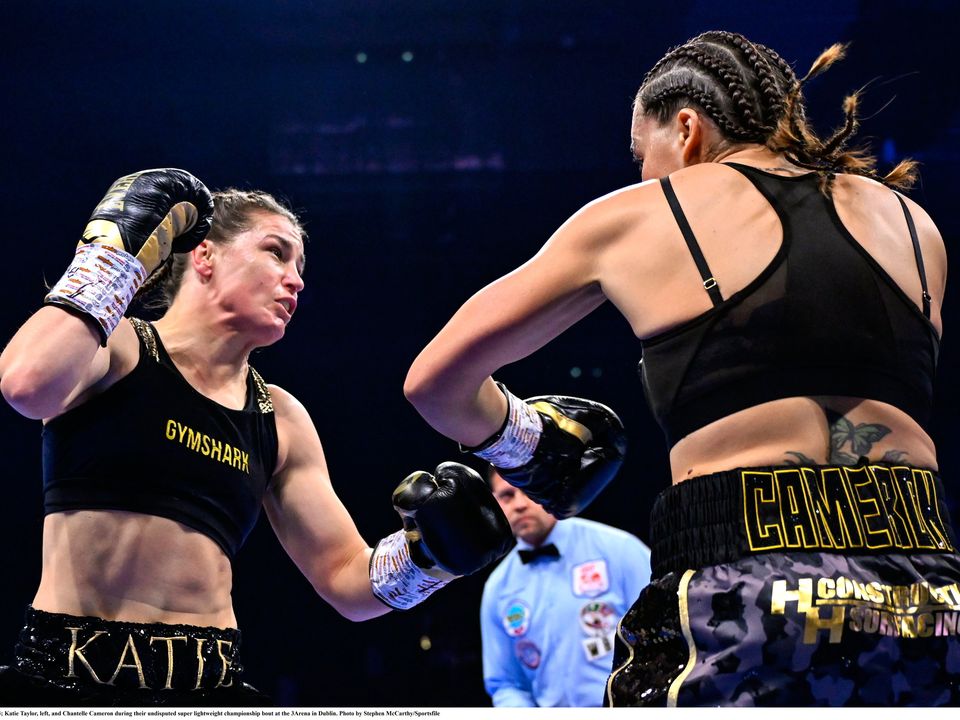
[431, 146]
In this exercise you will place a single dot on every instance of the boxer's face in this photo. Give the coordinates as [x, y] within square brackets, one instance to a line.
[257, 276]
[528, 521]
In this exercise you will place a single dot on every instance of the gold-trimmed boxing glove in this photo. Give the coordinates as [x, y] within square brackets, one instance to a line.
[140, 221]
[561, 451]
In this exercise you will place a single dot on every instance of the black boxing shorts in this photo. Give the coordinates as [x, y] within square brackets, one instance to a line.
[796, 586]
[63, 660]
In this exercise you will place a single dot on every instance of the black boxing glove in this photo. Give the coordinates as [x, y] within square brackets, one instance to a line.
[452, 526]
[561, 451]
[140, 221]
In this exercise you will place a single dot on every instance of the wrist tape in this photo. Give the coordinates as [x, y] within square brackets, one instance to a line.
[516, 442]
[100, 282]
[396, 580]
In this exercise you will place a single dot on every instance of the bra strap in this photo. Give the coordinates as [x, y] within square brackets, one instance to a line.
[916, 251]
[709, 282]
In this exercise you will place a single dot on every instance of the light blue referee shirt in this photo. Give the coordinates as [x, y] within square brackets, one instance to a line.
[548, 626]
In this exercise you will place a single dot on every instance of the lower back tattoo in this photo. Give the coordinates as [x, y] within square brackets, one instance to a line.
[849, 443]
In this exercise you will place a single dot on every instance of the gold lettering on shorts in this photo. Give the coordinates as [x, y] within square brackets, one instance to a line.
[760, 509]
[77, 653]
[834, 604]
[835, 508]
[872, 507]
[866, 493]
[136, 665]
[803, 596]
[800, 529]
[225, 663]
[947, 624]
[169, 642]
[198, 442]
[891, 496]
[923, 499]
[200, 642]
[832, 624]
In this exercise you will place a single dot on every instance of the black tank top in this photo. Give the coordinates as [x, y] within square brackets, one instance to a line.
[823, 318]
[152, 444]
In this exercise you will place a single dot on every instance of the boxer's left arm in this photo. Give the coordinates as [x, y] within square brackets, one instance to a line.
[452, 526]
[319, 535]
[311, 522]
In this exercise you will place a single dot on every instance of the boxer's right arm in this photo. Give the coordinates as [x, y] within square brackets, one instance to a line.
[56, 356]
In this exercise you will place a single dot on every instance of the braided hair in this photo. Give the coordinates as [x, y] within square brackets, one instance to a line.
[754, 96]
[233, 212]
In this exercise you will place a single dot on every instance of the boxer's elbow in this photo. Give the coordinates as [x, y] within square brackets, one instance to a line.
[420, 386]
[435, 378]
[352, 614]
[27, 393]
[367, 613]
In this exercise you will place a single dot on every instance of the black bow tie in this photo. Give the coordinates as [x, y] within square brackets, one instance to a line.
[548, 551]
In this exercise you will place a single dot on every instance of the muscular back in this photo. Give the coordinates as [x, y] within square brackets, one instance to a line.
[649, 274]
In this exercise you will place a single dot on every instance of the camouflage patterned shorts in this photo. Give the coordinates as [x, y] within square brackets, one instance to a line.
[794, 628]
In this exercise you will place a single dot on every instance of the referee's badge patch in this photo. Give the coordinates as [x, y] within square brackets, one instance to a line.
[591, 578]
[598, 618]
[528, 654]
[598, 647]
[516, 621]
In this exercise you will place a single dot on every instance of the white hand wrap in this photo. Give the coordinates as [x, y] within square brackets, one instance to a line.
[100, 282]
[519, 437]
[397, 580]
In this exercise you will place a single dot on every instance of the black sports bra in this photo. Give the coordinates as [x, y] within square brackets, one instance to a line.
[823, 318]
[152, 444]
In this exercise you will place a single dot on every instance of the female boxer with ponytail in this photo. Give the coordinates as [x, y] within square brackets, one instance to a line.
[786, 297]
